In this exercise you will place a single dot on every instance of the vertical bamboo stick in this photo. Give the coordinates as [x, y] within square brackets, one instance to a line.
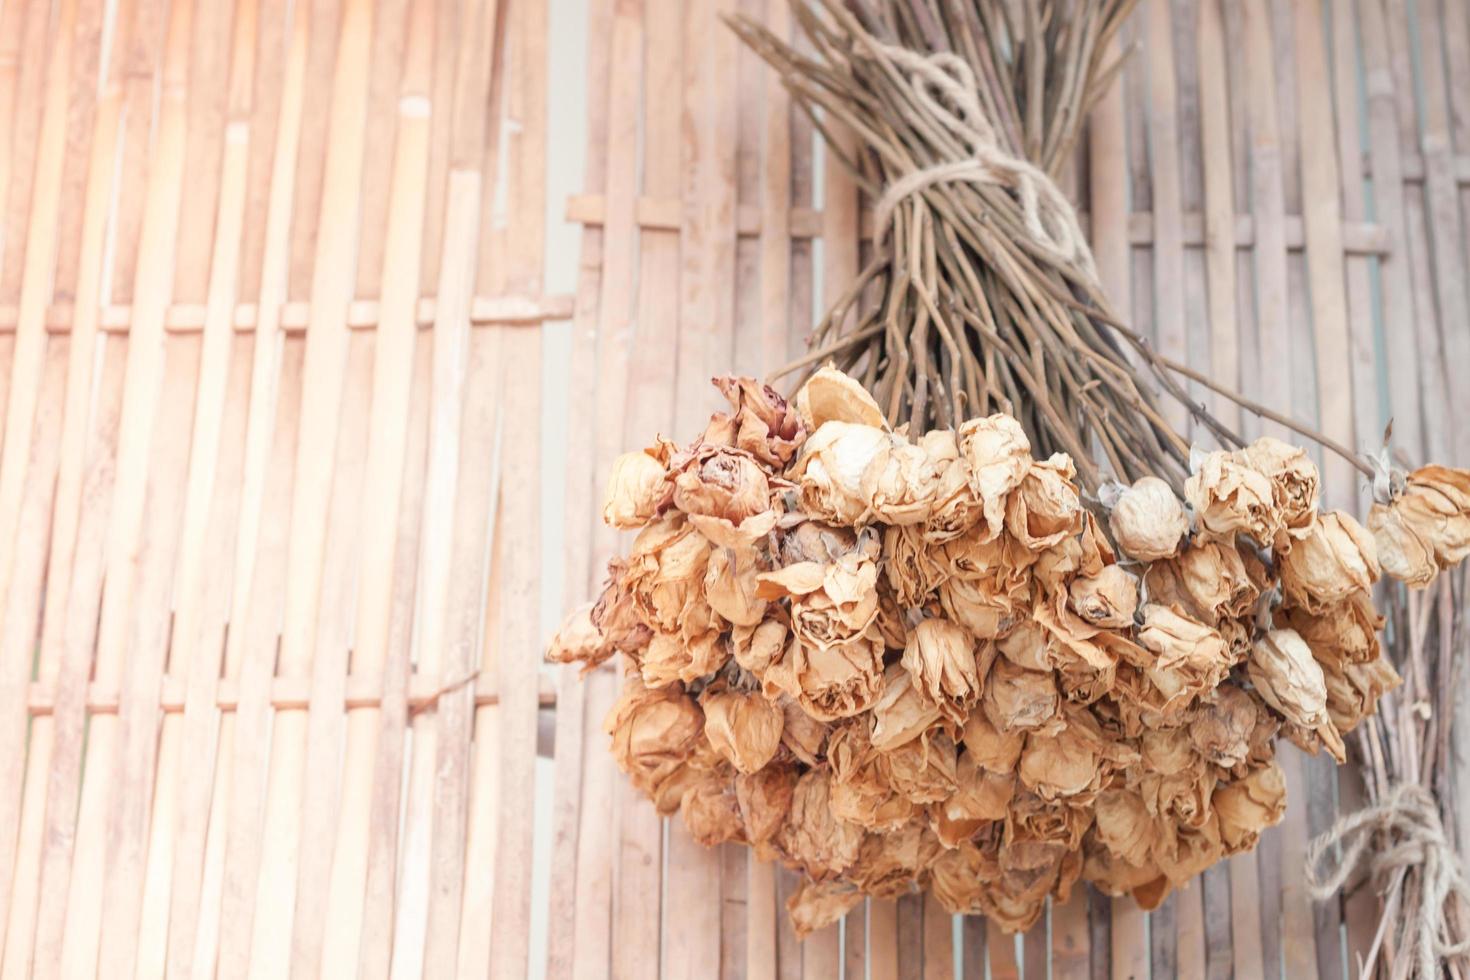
[1219, 207]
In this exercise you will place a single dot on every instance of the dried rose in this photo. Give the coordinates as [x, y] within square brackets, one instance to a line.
[1353, 690]
[890, 863]
[1427, 527]
[726, 494]
[1190, 658]
[1148, 521]
[922, 769]
[1124, 825]
[940, 657]
[837, 467]
[829, 395]
[961, 876]
[999, 456]
[1019, 699]
[861, 791]
[1068, 763]
[1248, 806]
[812, 838]
[1230, 497]
[1294, 478]
[653, 732]
[1045, 508]
[955, 507]
[816, 905]
[638, 488]
[757, 647]
[1344, 632]
[980, 797]
[697, 652]
[1108, 598]
[744, 728]
[1290, 680]
[1335, 559]
[987, 588]
[578, 640]
[913, 568]
[902, 490]
[828, 683]
[803, 736]
[1209, 580]
[730, 585]
[615, 614]
[902, 712]
[992, 749]
[711, 813]
[765, 424]
[1223, 725]
[665, 574]
[1183, 851]
[764, 798]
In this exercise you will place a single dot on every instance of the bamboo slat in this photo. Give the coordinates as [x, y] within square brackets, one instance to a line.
[274, 304]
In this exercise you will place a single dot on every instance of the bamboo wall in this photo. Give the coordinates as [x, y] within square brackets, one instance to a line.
[272, 321]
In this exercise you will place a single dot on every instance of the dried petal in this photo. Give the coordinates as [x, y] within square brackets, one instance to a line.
[638, 488]
[816, 905]
[999, 456]
[1290, 680]
[829, 395]
[744, 728]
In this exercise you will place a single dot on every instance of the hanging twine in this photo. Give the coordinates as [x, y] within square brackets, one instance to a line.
[941, 80]
[1409, 820]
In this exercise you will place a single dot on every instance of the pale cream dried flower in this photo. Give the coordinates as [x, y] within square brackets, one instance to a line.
[638, 488]
[1148, 521]
[1335, 559]
[1296, 484]
[1231, 497]
[1045, 508]
[1290, 680]
[829, 395]
[744, 728]
[940, 658]
[998, 455]
[1248, 806]
[1427, 527]
[1109, 598]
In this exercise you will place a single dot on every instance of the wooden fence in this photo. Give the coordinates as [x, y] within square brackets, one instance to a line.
[272, 319]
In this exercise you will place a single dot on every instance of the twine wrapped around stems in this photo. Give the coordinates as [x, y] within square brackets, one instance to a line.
[1407, 822]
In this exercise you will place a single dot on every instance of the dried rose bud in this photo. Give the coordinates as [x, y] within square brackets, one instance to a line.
[727, 496]
[912, 568]
[1182, 851]
[993, 750]
[1020, 699]
[1344, 632]
[1353, 690]
[940, 658]
[1290, 680]
[1148, 522]
[1427, 527]
[764, 798]
[812, 838]
[980, 797]
[1336, 559]
[1109, 598]
[837, 681]
[653, 732]
[1124, 825]
[757, 647]
[902, 490]
[961, 877]
[638, 488]
[1209, 580]
[615, 614]
[1067, 763]
[1222, 726]
[832, 604]
[999, 456]
[862, 792]
[744, 728]
[1190, 660]
[890, 863]
[803, 736]
[816, 905]
[1250, 805]
[922, 769]
[1294, 478]
[1045, 508]
[711, 813]
[578, 640]
[829, 395]
[836, 467]
[1230, 497]
[955, 506]
[902, 712]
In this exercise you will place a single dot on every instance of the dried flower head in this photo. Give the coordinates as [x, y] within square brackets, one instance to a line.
[1148, 521]
[1427, 527]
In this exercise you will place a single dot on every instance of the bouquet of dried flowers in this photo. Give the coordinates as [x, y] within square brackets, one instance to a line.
[896, 660]
[968, 613]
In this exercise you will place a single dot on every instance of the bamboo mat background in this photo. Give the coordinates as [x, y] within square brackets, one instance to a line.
[307, 404]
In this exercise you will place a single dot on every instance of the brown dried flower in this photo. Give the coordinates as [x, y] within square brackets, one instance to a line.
[1290, 680]
[940, 658]
[653, 732]
[1334, 560]
[1427, 527]
[1109, 598]
[638, 489]
[1294, 479]
[1231, 497]
[744, 728]
[1248, 806]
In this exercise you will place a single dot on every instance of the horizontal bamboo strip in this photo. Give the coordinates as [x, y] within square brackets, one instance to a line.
[362, 314]
[663, 214]
[290, 693]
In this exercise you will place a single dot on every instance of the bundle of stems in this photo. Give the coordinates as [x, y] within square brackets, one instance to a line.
[981, 295]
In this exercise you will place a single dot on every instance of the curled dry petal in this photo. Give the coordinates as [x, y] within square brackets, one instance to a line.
[803, 736]
[638, 488]
[1148, 520]
[862, 792]
[1108, 598]
[764, 797]
[1427, 527]
[1336, 559]
[922, 769]
[992, 749]
[829, 395]
[1353, 690]
[980, 796]
[913, 568]
[940, 659]
[891, 862]
[711, 812]
[1222, 726]
[1344, 632]
[744, 728]
[1018, 699]
[726, 494]
[757, 647]
[1190, 658]
[730, 585]
[1231, 497]
[1290, 680]
[1209, 580]
[903, 712]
